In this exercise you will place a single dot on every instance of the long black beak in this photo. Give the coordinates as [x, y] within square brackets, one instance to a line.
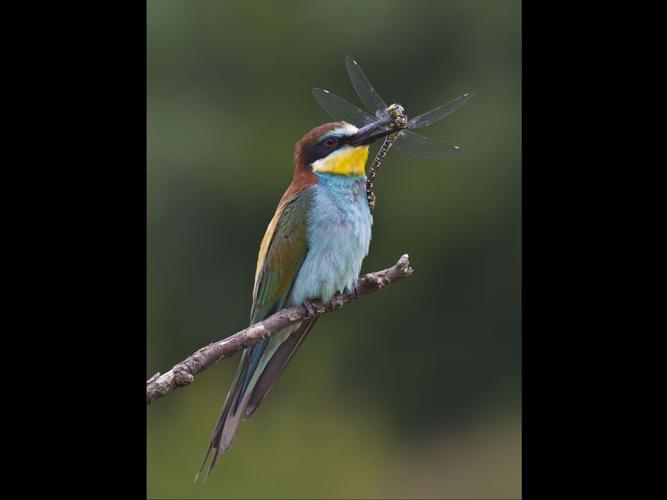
[370, 133]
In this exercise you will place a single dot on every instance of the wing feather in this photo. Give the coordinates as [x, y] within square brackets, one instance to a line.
[282, 252]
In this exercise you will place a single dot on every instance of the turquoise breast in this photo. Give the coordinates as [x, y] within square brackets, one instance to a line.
[339, 235]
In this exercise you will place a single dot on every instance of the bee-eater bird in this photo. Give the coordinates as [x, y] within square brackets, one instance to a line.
[313, 248]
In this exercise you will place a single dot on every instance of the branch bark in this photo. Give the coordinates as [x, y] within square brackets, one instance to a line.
[183, 374]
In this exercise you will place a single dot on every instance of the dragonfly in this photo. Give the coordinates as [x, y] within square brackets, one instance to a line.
[403, 139]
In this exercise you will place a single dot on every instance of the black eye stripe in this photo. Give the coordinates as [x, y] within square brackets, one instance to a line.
[321, 149]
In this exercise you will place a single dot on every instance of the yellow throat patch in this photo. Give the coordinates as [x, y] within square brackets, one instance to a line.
[346, 161]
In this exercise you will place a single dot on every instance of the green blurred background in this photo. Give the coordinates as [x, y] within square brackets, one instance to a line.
[412, 392]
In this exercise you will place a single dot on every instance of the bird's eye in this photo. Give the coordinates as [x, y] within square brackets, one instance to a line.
[330, 142]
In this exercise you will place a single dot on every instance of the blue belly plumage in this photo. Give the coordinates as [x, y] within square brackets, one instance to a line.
[339, 236]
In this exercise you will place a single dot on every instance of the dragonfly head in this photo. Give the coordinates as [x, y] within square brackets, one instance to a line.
[397, 115]
[339, 147]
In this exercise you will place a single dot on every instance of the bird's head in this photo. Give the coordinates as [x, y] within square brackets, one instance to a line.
[337, 148]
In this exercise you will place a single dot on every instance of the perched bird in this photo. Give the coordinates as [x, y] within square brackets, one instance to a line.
[313, 248]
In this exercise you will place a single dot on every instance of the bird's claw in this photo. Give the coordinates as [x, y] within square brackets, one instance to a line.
[310, 307]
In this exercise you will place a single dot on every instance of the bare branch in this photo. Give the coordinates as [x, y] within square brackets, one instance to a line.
[184, 372]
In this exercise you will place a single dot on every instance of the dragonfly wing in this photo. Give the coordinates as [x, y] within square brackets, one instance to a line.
[419, 146]
[440, 112]
[340, 109]
[363, 87]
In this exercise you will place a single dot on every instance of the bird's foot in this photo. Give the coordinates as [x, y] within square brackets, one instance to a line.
[310, 307]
